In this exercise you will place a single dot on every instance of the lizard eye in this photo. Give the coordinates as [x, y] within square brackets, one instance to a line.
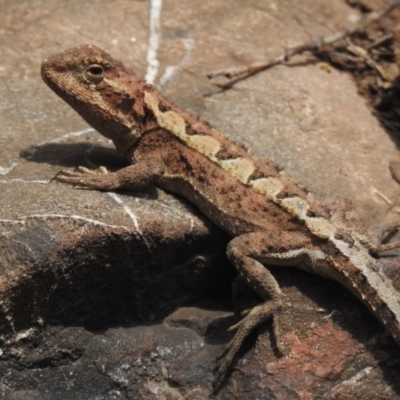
[94, 73]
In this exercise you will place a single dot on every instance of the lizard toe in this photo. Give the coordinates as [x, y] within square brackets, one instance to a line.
[255, 317]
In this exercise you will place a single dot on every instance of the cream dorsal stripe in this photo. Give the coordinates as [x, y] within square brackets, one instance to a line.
[241, 168]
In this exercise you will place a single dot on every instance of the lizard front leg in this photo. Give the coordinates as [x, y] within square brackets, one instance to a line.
[249, 253]
[134, 177]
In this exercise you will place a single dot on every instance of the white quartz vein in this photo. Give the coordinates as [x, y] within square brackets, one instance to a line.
[154, 39]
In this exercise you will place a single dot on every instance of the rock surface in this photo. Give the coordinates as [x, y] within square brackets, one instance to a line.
[126, 296]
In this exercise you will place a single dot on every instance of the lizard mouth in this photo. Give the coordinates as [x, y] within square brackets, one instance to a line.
[48, 75]
[44, 72]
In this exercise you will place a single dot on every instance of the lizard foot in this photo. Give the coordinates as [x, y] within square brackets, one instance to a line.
[254, 318]
[385, 235]
[99, 179]
[79, 172]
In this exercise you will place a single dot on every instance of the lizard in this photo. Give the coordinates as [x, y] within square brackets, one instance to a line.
[271, 219]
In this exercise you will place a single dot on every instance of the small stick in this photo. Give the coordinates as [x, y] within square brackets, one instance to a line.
[237, 74]
[363, 54]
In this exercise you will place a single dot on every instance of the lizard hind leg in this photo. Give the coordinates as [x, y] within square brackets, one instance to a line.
[248, 253]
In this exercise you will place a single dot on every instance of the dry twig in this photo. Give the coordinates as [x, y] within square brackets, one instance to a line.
[237, 74]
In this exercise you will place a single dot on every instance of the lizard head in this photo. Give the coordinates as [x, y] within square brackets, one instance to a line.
[107, 95]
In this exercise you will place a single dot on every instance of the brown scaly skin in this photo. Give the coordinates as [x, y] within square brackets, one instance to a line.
[271, 219]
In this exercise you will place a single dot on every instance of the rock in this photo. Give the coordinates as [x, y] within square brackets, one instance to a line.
[126, 296]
